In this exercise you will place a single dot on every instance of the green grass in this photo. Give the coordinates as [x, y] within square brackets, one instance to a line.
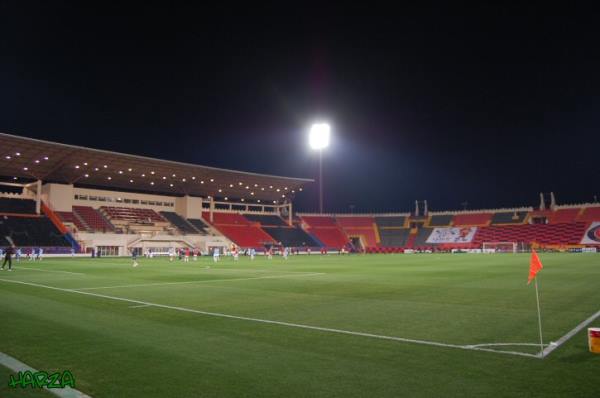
[115, 350]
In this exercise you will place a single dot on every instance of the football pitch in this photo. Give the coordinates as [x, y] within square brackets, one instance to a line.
[320, 326]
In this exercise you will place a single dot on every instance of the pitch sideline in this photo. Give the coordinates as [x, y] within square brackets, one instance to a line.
[281, 323]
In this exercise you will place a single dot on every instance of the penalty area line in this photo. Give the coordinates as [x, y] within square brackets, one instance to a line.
[17, 366]
[280, 323]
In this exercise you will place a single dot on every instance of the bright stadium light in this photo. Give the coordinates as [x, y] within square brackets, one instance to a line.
[318, 139]
[319, 136]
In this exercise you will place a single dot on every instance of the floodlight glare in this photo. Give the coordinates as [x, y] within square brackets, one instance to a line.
[319, 136]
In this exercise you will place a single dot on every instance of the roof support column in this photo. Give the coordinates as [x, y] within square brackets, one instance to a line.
[38, 195]
[290, 213]
[211, 209]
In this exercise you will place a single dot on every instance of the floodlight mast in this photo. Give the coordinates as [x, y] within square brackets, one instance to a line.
[319, 140]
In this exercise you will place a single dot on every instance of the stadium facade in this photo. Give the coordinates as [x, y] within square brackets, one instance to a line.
[66, 198]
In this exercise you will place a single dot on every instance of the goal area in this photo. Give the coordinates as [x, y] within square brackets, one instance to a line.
[499, 247]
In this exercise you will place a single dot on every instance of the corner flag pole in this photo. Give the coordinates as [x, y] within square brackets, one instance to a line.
[537, 297]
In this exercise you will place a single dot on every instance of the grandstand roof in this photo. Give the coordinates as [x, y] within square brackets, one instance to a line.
[30, 158]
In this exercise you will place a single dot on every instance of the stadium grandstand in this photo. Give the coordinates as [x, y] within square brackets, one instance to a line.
[66, 198]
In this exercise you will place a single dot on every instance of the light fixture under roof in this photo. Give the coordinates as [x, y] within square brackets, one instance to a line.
[37, 161]
[201, 182]
[143, 175]
[270, 186]
[96, 169]
[220, 190]
[212, 180]
[230, 185]
[105, 166]
[174, 175]
[226, 198]
[164, 178]
[240, 183]
[120, 171]
[86, 175]
[152, 183]
[183, 179]
[131, 181]
[278, 189]
[25, 168]
[242, 199]
[152, 172]
[193, 178]
[8, 157]
[109, 178]
[258, 201]
[129, 169]
[45, 157]
[77, 166]
[170, 185]
[252, 193]
[18, 153]
[85, 163]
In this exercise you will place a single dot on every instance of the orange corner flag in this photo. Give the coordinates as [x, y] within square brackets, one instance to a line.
[535, 266]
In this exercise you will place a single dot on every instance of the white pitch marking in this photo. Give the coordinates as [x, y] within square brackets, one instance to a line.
[507, 344]
[140, 306]
[570, 334]
[198, 281]
[280, 323]
[49, 270]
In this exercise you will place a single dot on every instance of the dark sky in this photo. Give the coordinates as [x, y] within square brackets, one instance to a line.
[486, 105]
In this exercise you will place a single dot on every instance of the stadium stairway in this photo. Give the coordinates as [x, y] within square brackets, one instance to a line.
[53, 217]
[362, 227]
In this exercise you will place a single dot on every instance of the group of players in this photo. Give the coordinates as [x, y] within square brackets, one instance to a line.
[184, 254]
[8, 252]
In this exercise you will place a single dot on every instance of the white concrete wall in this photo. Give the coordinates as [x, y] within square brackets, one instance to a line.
[189, 207]
[59, 196]
[116, 196]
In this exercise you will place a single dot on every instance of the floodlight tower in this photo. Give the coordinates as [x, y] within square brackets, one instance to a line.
[318, 139]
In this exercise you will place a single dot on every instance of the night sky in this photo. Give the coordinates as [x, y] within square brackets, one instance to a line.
[488, 106]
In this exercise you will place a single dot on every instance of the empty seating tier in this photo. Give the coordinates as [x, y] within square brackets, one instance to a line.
[548, 234]
[326, 230]
[291, 236]
[395, 221]
[31, 231]
[179, 222]
[266, 219]
[472, 219]
[132, 215]
[394, 237]
[513, 217]
[240, 230]
[17, 206]
[590, 214]
[198, 224]
[441, 220]
[92, 219]
[562, 216]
